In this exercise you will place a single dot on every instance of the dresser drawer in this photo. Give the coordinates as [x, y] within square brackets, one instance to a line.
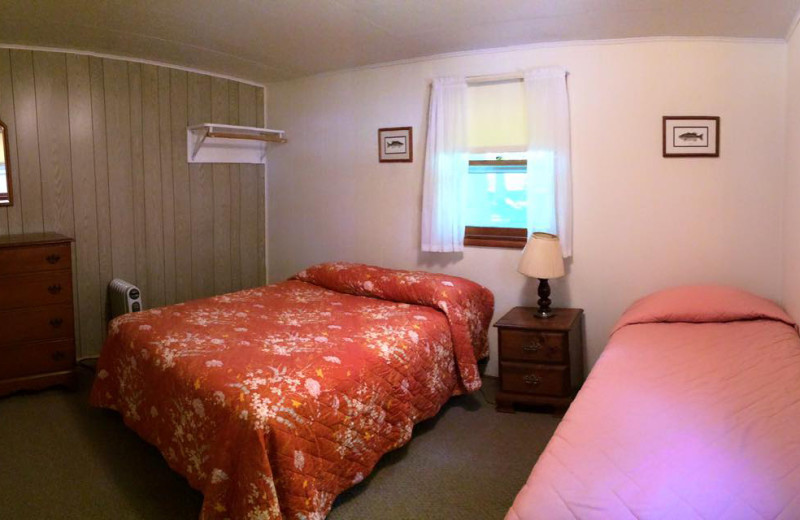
[33, 259]
[37, 358]
[525, 378]
[532, 346]
[34, 290]
[36, 324]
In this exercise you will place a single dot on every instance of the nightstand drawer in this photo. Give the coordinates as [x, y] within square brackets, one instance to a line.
[525, 378]
[538, 347]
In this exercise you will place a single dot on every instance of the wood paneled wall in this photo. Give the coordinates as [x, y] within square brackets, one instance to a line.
[98, 152]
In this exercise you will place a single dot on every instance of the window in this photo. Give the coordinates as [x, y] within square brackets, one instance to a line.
[3, 183]
[496, 194]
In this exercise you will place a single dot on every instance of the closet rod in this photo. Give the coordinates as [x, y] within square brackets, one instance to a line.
[267, 138]
[203, 126]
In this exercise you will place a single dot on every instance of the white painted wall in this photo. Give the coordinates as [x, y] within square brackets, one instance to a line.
[642, 222]
[791, 236]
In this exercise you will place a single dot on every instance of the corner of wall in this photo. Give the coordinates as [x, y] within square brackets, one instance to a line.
[266, 190]
[790, 222]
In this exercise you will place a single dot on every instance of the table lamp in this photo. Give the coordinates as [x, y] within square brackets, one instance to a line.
[542, 259]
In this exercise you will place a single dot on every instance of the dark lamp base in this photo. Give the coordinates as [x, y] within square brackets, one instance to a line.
[544, 300]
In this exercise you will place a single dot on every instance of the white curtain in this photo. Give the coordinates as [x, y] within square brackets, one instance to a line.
[549, 173]
[446, 166]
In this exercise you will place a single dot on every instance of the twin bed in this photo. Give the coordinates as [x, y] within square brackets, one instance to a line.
[691, 412]
[272, 401]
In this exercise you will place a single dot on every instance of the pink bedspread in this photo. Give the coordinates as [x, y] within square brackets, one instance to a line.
[692, 412]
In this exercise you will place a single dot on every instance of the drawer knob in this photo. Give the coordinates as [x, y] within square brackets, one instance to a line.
[54, 289]
[532, 379]
[53, 259]
[58, 355]
[56, 322]
[532, 348]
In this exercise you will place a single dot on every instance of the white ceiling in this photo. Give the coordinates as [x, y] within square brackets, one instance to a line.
[272, 40]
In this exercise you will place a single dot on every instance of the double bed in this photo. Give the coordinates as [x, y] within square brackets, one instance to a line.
[272, 401]
[691, 412]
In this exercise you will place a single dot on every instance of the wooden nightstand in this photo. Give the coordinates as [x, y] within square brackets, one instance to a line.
[541, 360]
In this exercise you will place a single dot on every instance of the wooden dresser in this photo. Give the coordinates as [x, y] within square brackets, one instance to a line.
[541, 360]
[37, 330]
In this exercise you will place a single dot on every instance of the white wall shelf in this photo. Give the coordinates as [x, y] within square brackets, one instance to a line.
[217, 143]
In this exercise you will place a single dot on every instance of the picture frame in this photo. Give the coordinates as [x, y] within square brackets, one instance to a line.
[395, 144]
[691, 136]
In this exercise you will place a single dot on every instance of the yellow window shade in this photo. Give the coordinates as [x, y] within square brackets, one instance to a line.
[497, 117]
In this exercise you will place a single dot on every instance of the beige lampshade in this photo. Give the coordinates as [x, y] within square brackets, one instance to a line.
[541, 257]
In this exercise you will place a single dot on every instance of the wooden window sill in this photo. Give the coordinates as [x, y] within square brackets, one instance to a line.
[513, 238]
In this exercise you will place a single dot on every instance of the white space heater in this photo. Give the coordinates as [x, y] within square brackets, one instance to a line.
[125, 297]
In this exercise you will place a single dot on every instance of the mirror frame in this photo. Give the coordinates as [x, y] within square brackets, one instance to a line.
[7, 158]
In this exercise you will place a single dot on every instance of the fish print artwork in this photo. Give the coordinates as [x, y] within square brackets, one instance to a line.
[395, 144]
[272, 401]
[691, 136]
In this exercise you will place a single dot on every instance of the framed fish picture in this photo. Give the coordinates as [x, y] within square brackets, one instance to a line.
[691, 136]
[395, 144]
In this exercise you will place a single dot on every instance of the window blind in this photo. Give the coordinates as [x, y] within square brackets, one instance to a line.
[496, 117]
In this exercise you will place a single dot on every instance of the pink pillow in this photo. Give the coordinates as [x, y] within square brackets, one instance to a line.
[702, 304]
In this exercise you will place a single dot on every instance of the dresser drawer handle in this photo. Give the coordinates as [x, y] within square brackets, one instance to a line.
[532, 379]
[54, 289]
[53, 259]
[532, 348]
[56, 322]
[58, 355]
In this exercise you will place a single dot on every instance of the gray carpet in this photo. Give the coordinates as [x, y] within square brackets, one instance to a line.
[59, 458]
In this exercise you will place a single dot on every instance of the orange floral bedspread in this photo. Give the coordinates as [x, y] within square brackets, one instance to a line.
[272, 401]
